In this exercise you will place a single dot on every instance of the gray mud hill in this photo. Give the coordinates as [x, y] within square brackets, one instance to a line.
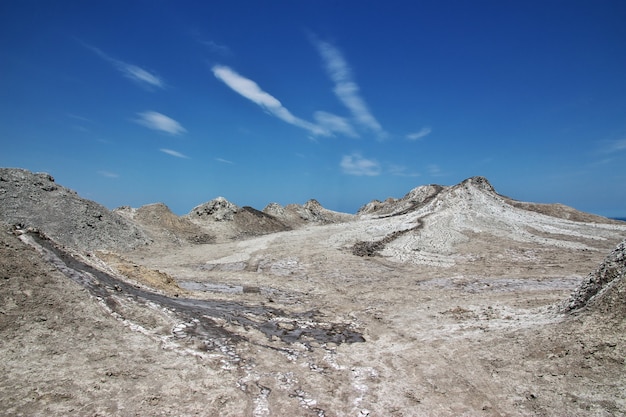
[422, 195]
[35, 200]
[227, 221]
[159, 221]
[311, 212]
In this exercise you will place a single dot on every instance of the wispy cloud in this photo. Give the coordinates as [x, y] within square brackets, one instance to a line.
[108, 174]
[422, 133]
[251, 90]
[335, 123]
[174, 153]
[216, 47]
[133, 72]
[80, 118]
[345, 88]
[356, 164]
[224, 161]
[158, 121]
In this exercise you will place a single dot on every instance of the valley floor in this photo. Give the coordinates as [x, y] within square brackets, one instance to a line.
[294, 323]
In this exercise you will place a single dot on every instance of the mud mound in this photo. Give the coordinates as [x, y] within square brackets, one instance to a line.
[311, 212]
[453, 217]
[424, 195]
[161, 222]
[252, 222]
[226, 220]
[413, 200]
[218, 209]
[35, 200]
[604, 290]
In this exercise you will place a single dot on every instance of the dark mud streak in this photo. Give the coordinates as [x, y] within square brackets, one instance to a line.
[363, 248]
[203, 312]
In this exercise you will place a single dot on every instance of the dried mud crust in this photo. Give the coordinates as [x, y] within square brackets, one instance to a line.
[64, 354]
[464, 340]
[474, 338]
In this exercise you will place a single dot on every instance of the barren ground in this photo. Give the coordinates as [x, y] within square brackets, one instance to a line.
[293, 323]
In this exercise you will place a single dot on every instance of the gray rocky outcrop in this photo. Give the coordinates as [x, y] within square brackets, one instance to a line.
[218, 209]
[605, 288]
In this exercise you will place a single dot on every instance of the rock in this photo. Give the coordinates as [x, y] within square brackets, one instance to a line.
[603, 289]
[218, 209]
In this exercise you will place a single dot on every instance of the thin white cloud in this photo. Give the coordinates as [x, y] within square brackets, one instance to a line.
[356, 164]
[345, 88]
[251, 90]
[80, 118]
[140, 75]
[224, 161]
[133, 72]
[335, 123]
[158, 121]
[174, 153]
[422, 133]
[216, 47]
[108, 174]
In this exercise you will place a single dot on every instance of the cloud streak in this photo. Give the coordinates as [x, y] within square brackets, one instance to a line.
[216, 47]
[356, 164]
[346, 89]
[108, 174]
[251, 90]
[160, 122]
[174, 153]
[130, 71]
[335, 123]
[422, 133]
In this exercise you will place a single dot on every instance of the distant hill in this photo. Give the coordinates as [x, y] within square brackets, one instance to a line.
[444, 214]
[159, 221]
[311, 212]
[430, 222]
[226, 220]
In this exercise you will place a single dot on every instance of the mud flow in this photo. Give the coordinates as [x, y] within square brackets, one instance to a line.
[201, 317]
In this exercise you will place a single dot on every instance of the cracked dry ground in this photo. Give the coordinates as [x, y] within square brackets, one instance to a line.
[478, 338]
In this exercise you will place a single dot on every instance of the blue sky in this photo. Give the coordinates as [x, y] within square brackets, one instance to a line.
[136, 102]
